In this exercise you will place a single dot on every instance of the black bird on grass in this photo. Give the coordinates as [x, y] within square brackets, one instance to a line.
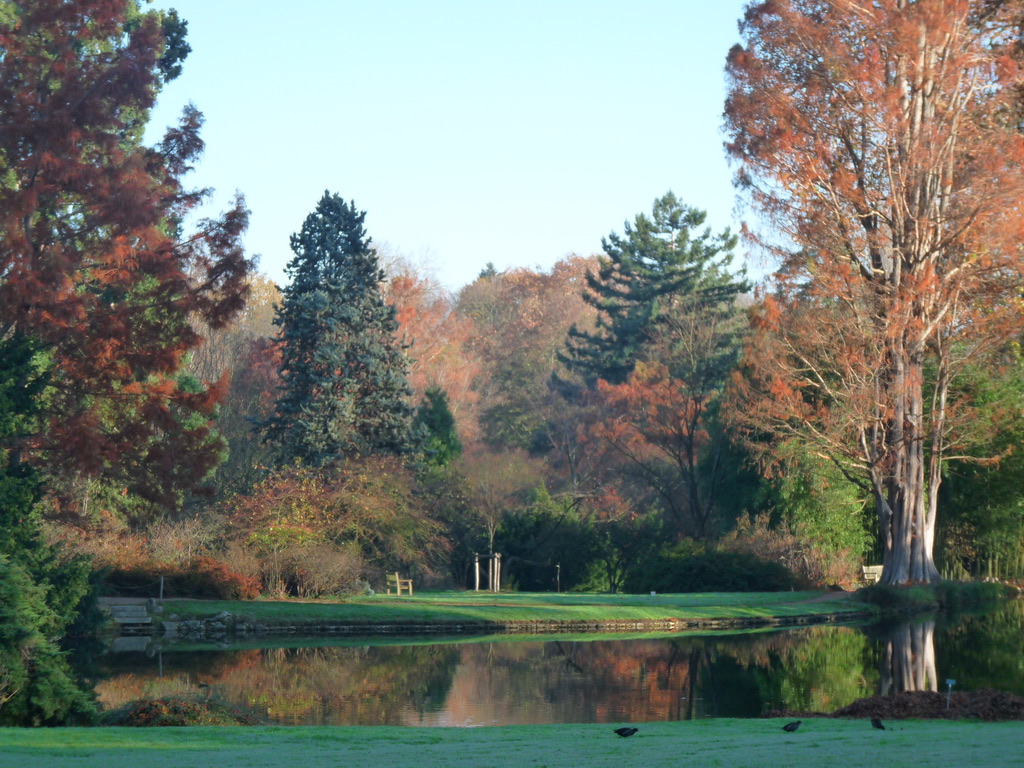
[624, 732]
[876, 723]
[791, 727]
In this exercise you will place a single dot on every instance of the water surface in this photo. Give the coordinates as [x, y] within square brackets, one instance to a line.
[515, 680]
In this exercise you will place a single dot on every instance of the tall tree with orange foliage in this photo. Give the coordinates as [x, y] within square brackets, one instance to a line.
[438, 340]
[881, 143]
[521, 318]
[91, 263]
[663, 421]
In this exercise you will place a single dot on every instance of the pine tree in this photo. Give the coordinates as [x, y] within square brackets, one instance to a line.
[344, 388]
[659, 265]
[436, 424]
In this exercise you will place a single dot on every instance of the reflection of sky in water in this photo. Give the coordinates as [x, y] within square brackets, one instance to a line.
[604, 681]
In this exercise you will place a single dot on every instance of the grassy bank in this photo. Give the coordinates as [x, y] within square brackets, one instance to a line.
[705, 742]
[483, 608]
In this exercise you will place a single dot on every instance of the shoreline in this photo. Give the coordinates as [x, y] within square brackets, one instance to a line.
[192, 620]
[220, 626]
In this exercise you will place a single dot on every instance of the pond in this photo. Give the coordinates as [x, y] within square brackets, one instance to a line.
[510, 680]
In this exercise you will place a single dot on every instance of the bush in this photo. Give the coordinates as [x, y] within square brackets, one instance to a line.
[898, 599]
[325, 569]
[947, 595]
[206, 578]
[712, 571]
[957, 595]
[813, 566]
[178, 711]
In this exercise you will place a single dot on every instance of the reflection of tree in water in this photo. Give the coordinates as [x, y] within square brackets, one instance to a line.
[681, 678]
[307, 686]
[678, 679]
[525, 681]
[908, 659]
[318, 686]
[984, 650]
[816, 669]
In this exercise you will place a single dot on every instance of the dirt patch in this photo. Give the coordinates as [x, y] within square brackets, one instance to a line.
[984, 704]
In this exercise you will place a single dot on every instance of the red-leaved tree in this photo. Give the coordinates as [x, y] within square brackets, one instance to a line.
[93, 265]
[881, 141]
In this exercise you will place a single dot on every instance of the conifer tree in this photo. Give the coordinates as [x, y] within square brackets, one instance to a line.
[660, 264]
[436, 424]
[344, 389]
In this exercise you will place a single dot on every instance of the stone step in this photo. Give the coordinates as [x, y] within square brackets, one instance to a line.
[133, 620]
[128, 609]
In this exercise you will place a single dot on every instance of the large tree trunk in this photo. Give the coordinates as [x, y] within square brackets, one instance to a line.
[905, 517]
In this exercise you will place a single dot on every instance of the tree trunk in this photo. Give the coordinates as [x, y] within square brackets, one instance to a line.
[906, 525]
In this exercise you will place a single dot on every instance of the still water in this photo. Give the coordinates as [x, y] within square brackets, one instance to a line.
[515, 680]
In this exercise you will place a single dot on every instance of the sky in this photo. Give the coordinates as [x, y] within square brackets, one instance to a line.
[514, 132]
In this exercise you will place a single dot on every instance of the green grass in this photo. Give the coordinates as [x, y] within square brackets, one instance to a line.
[486, 607]
[758, 743]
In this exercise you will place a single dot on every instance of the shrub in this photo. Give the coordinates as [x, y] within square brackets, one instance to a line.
[183, 541]
[206, 578]
[898, 599]
[712, 571]
[947, 595]
[812, 565]
[325, 569]
[178, 711]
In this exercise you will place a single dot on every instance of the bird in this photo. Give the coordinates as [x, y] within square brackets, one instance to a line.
[624, 732]
[876, 723]
[791, 727]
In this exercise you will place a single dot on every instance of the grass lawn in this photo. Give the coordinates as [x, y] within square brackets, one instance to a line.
[484, 607]
[820, 743]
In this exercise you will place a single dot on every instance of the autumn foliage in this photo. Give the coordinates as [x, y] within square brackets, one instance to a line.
[881, 143]
[93, 266]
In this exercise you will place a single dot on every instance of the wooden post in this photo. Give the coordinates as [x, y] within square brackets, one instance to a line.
[497, 572]
[558, 577]
[161, 590]
[476, 572]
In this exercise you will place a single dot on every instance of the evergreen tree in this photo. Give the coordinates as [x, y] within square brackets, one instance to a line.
[659, 265]
[344, 388]
[436, 424]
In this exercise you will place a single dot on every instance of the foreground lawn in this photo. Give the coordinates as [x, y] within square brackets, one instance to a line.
[822, 742]
[485, 607]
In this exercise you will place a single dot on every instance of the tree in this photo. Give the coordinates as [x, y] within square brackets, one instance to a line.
[37, 686]
[40, 592]
[660, 262]
[880, 140]
[92, 264]
[497, 485]
[521, 318]
[244, 356]
[438, 339]
[376, 503]
[343, 372]
[441, 442]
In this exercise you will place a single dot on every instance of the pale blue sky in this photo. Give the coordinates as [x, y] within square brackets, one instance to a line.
[510, 131]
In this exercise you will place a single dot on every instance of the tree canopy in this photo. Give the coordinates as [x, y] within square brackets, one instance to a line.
[881, 144]
[93, 262]
[344, 388]
[661, 262]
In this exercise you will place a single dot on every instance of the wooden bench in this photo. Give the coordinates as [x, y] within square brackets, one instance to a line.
[872, 573]
[397, 583]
